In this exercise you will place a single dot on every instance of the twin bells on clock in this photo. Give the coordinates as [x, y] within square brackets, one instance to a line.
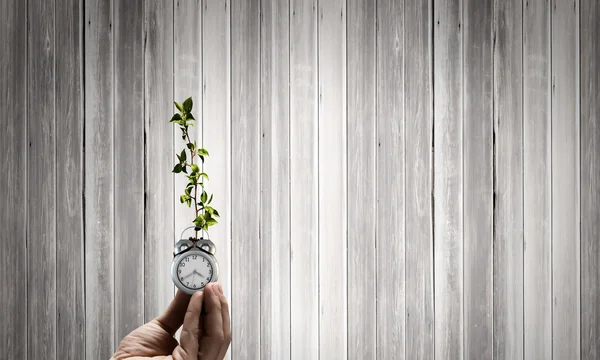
[194, 263]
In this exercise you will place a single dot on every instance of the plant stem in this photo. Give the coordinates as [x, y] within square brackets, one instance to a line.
[195, 186]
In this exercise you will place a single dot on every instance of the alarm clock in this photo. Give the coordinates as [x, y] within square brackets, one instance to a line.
[194, 263]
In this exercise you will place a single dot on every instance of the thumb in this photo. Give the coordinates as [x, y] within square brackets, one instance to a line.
[190, 334]
[173, 316]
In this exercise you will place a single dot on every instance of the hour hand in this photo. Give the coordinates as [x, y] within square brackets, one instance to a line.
[188, 275]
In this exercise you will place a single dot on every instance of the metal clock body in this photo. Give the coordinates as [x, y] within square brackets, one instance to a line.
[194, 264]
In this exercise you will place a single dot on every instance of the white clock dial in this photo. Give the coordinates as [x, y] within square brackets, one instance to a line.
[194, 271]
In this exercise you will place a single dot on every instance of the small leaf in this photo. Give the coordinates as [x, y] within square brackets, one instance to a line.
[210, 199]
[202, 158]
[190, 146]
[204, 196]
[195, 168]
[183, 137]
[209, 209]
[183, 198]
[211, 222]
[216, 213]
[177, 169]
[190, 117]
[202, 152]
[204, 175]
[178, 105]
[187, 104]
[183, 155]
[175, 118]
[189, 202]
[187, 191]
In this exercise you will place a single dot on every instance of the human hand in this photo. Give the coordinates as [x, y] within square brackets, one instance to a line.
[206, 332]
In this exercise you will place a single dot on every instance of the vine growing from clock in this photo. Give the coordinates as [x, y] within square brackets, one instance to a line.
[187, 164]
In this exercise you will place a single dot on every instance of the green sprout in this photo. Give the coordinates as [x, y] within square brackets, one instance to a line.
[205, 214]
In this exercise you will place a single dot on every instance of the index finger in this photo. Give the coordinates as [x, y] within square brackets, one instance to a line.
[172, 318]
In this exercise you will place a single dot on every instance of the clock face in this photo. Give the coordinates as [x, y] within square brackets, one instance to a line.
[194, 271]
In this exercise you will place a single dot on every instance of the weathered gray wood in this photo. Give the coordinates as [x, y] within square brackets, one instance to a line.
[304, 242]
[245, 179]
[70, 301]
[391, 182]
[99, 187]
[508, 182]
[448, 179]
[565, 183]
[41, 182]
[537, 180]
[159, 233]
[590, 179]
[478, 173]
[362, 179]
[187, 62]
[13, 187]
[332, 180]
[216, 115]
[275, 182]
[418, 123]
[129, 166]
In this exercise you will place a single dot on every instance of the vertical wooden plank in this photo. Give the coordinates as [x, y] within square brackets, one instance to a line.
[70, 302]
[565, 182]
[99, 188]
[245, 179]
[187, 62]
[448, 179]
[304, 180]
[217, 127]
[129, 167]
[478, 161]
[537, 182]
[508, 181]
[362, 180]
[590, 179]
[391, 182]
[41, 181]
[159, 198]
[418, 115]
[275, 181]
[13, 172]
[332, 180]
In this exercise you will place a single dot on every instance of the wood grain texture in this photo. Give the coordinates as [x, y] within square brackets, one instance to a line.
[537, 183]
[304, 225]
[508, 181]
[565, 182]
[391, 182]
[362, 179]
[448, 179]
[418, 133]
[70, 296]
[13, 191]
[129, 167]
[187, 77]
[41, 182]
[245, 179]
[159, 231]
[99, 185]
[332, 180]
[478, 178]
[590, 180]
[275, 235]
[216, 117]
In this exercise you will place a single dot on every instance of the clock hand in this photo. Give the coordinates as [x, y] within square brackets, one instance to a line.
[188, 275]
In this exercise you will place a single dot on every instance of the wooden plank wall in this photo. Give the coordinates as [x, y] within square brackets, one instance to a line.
[397, 179]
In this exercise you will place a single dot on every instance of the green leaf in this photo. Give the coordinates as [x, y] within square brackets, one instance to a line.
[177, 169]
[183, 198]
[195, 168]
[204, 175]
[190, 117]
[191, 146]
[216, 213]
[183, 155]
[183, 137]
[202, 158]
[199, 221]
[178, 105]
[202, 152]
[175, 118]
[204, 196]
[209, 209]
[187, 104]
[210, 199]
[211, 222]
[189, 202]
